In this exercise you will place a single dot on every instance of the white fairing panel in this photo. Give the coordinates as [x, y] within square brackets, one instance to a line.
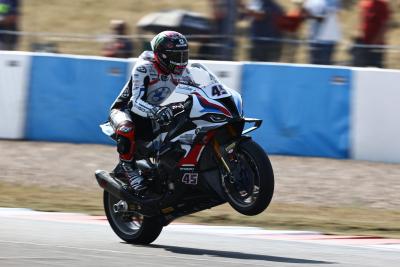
[210, 85]
[216, 91]
[205, 81]
[238, 101]
[207, 112]
[184, 89]
[196, 108]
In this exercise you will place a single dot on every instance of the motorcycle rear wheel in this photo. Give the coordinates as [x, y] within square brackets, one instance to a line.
[252, 187]
[133, 228]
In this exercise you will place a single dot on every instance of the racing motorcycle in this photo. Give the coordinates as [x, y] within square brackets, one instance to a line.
[202, 159]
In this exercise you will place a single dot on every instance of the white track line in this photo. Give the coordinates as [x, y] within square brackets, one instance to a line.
[236, 231]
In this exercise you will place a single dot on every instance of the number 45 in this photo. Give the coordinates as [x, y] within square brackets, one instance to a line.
[190, 178]
[218, 90]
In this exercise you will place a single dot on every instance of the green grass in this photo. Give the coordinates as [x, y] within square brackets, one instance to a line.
[339, 220]
[51, 198]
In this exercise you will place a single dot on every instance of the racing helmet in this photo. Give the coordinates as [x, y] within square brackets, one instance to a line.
[171, 51]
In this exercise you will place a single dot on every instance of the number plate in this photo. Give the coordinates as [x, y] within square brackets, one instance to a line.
[216, 91]
[190, 178]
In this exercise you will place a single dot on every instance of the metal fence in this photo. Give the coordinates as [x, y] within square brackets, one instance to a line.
[293, 49]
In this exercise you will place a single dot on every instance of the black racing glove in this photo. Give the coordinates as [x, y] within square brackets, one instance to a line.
[164, 115]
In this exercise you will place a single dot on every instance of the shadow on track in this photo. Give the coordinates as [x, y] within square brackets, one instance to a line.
[236, 255]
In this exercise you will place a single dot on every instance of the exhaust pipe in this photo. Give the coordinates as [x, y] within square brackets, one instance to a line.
[114, 188]
[109, 184]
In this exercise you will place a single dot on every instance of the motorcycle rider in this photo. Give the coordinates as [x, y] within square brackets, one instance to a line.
[154, 77]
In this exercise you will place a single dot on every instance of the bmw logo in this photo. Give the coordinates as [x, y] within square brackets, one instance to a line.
[159, 94]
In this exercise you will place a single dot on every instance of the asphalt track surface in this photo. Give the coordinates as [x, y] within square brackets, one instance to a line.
[57, 239]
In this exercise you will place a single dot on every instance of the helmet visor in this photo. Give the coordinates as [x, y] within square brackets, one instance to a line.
[178, 57]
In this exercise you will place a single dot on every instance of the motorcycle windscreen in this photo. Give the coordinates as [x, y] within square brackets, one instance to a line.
[207, 81]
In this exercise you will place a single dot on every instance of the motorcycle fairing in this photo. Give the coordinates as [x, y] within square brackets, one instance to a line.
[192, 158]
[208, 105]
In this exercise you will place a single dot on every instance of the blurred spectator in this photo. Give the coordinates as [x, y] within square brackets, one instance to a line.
[374, 20]
[265, 33]
[293, 19]
[224, 16]
[324, 29]
[211, 47]
[291, 23]
[120, 46]
[219, 11]
[9, 18]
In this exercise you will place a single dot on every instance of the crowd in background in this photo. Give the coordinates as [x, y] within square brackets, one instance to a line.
[271, 27]
[119, 46]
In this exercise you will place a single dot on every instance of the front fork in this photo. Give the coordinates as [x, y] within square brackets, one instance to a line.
[226, 152]
[217, 150]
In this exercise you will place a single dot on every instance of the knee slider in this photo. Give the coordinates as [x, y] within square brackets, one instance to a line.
[125, 129]
[125, 137]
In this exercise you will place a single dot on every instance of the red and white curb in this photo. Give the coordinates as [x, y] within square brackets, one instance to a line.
[235, 231]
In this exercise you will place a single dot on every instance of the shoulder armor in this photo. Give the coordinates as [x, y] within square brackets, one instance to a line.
[142, 67]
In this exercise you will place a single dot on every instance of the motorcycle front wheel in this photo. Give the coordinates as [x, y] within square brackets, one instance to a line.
[131, 227]
[250, 188]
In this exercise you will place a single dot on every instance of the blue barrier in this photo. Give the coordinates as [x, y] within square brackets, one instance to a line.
[69, 97]
[305, 109]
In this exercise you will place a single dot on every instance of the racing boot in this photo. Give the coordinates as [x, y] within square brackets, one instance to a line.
[125, 137]
[130, 173]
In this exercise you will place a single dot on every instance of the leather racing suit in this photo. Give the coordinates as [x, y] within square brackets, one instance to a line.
[139, 100]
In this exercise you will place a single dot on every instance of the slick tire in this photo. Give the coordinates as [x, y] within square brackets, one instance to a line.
[132, 229]
[261, 166]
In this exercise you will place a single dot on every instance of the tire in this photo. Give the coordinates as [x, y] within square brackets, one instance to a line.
[132, 228]
[259, 190]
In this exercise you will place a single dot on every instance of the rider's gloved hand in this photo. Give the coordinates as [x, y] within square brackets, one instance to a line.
[164, 115]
